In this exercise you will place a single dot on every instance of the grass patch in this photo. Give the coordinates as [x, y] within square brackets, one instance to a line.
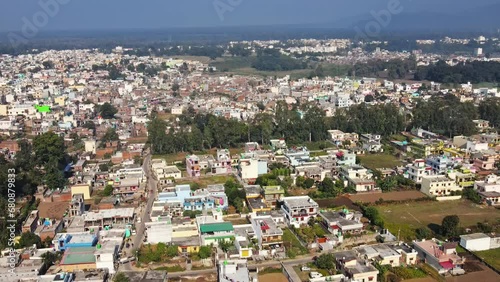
[175, 268]
[405, 218]
[375, 161]
[432, 272]
[492, 257]
[408, 272]
[289, 237]
[268, 270]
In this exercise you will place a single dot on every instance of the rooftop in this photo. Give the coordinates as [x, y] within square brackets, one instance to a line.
[82, 255]
[474, 236]
[299, 201]
[216, 227]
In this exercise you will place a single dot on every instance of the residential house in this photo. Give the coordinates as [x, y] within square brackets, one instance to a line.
[268, 234]
[380, 253]
[355, 268]
[489, 189]
[222, 165]
[371, 142]
[440, 255]
[342, 222]
[299, 210]
[193, 166]
[417, 170]
[475, 242]
[234, 270]
[440, 164]
[358, 177]
[273, 195]
[439, 186]
[486, 162]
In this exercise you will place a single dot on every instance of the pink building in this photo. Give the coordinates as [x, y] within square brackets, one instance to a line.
[485, 163]
[193, 166]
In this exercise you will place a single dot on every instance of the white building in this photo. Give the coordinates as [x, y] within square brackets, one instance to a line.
[475, 242]
[299, 209]
[417, 170]
[105, 256]
[357, 176]
[439, 186]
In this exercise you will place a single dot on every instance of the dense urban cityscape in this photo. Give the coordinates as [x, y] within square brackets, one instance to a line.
[285, 158]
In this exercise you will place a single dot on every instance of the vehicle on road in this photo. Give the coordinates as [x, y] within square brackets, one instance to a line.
[124, 260]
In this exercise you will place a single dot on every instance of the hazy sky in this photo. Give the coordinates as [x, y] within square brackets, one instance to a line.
[123, 14]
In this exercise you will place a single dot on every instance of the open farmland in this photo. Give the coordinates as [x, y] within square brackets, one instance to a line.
[407, 217]
[390, 196]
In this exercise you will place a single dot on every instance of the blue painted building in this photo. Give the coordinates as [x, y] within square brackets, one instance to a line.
[62, 241]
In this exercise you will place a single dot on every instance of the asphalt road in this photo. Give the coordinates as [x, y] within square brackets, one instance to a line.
[140, 228]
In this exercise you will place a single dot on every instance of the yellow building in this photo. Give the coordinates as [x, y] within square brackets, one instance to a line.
[84, 189]
[4, 110]
[61, 101]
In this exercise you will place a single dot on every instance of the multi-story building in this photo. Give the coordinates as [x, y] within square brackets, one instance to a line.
[355, 268]
[343, 222]
[193, 166]
[234, 270]
[267, 232]
[77, 205]
[371, 142]
[358, 177]
[463, 178]
[250, 167]
[439, 186]
[222, 165]
[489, 189]
[440, 164]
[417, 170]
[299, 210]
[485, 163]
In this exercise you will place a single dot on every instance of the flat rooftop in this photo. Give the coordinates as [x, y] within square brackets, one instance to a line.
[230, 271]
[474, 236]
[299, 201]
[83, 255]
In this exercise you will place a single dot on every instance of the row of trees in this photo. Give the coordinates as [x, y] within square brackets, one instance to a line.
[474, 72]
[273, 60]
[447, 115]
[297, 125]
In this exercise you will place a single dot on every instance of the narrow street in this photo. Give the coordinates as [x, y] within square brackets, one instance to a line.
[150, 193]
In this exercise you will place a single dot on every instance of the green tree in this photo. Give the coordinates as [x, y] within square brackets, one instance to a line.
[226, 245]
[48, 147]
[423, 233]
[326, 261]
[50, 258]
[205, 252]
[449, 225]
[172, 251]
[108, 190]
[29, 239]
[107, 111]
[110, 135]
[308, 183]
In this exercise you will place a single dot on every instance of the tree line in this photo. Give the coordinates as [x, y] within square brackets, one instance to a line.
[297, 124]
[474, 72]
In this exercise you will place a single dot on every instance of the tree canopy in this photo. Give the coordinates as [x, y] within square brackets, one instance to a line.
[107, 111]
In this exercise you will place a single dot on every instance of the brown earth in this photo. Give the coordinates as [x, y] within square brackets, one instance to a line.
[390, 196]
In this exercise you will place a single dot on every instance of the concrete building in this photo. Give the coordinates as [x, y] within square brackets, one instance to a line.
[234, 270]
[299, 209]
[417, 170]
[440, 255]
[193, 166]
[357, 176]
[268, 233]
[439, 186]
[475, 242]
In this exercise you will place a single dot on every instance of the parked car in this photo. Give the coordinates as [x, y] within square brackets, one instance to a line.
[315, 274]
[305, 268]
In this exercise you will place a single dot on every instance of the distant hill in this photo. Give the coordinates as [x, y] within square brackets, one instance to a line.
[479, 19]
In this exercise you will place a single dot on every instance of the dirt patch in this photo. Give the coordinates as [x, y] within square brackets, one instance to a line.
[390, 196]
[337, 202]
[485, 275]
[426, 279]
[273, 277]
[53, 210]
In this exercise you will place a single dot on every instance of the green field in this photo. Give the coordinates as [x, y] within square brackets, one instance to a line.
[375, 161]
[288, 236]
[405, 218]
[492, 257]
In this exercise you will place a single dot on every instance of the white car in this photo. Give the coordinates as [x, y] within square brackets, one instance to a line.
[315, 274]
[305, 268]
